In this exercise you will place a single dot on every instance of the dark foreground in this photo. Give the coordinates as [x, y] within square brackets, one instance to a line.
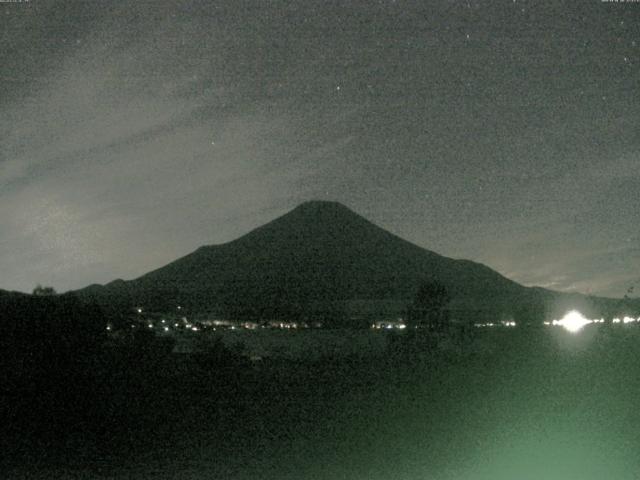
[508, 404]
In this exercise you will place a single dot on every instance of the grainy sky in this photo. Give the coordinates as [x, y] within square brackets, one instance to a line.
[506, 132]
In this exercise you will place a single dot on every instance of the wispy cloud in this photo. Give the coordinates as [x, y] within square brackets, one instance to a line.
[132, 134]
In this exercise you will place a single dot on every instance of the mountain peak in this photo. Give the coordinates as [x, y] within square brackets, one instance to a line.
[322, 260]
[310, 222]
[322, 205]
[318, 217]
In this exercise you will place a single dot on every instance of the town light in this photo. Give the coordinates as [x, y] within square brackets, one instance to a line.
[573, 321]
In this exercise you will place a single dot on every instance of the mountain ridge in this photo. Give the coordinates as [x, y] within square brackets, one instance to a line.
[323, 260]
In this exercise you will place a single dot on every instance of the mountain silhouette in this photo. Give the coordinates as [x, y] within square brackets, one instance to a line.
[322, 260]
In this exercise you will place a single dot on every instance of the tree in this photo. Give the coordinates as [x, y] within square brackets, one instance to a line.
[41, 291]
[630, 304]
[428, 309]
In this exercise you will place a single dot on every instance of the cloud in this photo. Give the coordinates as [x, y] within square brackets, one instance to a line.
[134, 133]
[111, 170]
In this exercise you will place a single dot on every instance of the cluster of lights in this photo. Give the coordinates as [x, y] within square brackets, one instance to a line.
[388, 326]
[574, 321]
[283, 325]
[626, 320]
[165, 325]
[189, 326]
[490, 324]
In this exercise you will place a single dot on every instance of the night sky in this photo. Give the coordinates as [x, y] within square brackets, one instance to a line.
[506, 132]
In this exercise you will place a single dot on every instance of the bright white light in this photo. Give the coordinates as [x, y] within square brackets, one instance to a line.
[139, 310]
[402, 326]
[166, 329]
[573, 321]
[616, 320]
[628, 320]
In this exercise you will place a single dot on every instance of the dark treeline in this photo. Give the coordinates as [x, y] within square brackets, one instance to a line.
[46, 339]
[66, 391]
[49, 348]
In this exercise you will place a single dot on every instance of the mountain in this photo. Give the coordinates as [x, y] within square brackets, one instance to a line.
[322, 260]
[6, 295]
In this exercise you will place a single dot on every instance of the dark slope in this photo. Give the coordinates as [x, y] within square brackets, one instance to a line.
[7, 293]
[319, 259]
